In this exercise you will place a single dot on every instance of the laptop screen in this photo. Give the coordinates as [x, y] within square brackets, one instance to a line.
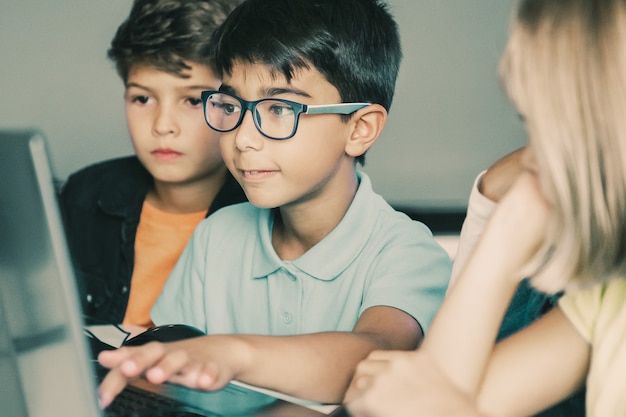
[42, 346]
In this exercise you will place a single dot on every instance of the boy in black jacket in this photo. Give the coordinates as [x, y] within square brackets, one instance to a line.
[127, 220]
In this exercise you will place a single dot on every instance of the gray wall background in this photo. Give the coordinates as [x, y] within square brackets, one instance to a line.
[449, 120]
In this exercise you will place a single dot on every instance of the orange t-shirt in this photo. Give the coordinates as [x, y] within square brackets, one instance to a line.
[161, 238]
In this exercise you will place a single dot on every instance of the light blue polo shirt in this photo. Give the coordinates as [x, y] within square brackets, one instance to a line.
[229, 279]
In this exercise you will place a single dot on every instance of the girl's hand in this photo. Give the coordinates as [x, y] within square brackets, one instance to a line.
[518, 226]
[404, 384]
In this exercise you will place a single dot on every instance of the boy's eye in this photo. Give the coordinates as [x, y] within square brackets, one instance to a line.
[194, 101]
[280, 109]
[228, 108]
[140, 99]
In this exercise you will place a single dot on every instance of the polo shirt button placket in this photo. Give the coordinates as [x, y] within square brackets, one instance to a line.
[287, 318]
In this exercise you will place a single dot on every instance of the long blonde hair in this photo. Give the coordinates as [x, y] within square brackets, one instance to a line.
[565, 69]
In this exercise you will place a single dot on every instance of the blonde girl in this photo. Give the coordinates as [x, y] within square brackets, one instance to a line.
[563, 222]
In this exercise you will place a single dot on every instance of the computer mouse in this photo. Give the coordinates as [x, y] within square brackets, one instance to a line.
[164, 333]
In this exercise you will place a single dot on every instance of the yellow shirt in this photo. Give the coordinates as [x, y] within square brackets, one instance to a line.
[599, 314]
[161, 238]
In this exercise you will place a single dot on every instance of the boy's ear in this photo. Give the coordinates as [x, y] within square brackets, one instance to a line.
[367, 124]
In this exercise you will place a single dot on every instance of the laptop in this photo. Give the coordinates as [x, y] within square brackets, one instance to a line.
[45, 364]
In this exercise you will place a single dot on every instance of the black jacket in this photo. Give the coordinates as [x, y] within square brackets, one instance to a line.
[101, 206]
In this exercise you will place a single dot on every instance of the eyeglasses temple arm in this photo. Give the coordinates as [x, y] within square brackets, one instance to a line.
[342, 108]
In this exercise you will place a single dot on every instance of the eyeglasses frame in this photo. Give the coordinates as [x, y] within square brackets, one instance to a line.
[299, 108]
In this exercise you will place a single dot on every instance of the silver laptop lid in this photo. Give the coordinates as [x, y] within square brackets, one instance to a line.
[43, 355]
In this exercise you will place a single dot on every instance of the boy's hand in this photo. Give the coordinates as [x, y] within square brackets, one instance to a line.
[190, 362]
[404, 384]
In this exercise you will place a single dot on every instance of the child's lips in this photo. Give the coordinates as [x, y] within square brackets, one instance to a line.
[166, 154]
[257, 174]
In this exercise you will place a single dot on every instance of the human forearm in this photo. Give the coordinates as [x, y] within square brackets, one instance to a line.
[465, 328]
[473, 310]
[535, 368]
[320, 366]
[315, 367]
[488, 189]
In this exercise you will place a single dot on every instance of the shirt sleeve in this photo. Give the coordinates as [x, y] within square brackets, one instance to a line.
[411, 274]
[582, 308]
[479, 211]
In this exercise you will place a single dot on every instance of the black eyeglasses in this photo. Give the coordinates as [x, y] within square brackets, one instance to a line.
[273, 117]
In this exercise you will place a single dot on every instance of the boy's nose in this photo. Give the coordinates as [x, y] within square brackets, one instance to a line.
[165, 122]
[247, 136]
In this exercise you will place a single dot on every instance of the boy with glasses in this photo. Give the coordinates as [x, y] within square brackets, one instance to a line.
[128, 220]
[295, 287]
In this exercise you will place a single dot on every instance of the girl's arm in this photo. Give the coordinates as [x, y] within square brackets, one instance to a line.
[535, 368]
[463, 333]
[525, 374]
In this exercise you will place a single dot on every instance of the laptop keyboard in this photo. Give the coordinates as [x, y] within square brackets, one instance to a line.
[134, 402]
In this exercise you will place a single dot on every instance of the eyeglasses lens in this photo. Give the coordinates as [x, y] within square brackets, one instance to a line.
[274, 118]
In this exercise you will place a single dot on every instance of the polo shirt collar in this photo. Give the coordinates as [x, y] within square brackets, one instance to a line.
[333, 254]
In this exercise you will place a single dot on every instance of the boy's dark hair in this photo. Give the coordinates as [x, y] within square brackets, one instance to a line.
[164, 34]
[354, 44]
